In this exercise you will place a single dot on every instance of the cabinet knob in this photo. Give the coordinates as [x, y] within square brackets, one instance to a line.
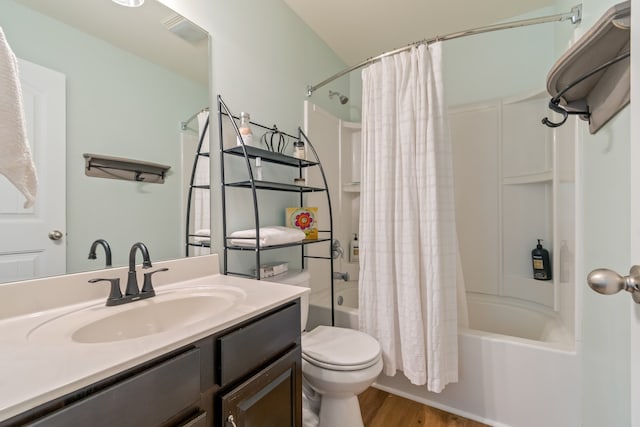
[231, 421]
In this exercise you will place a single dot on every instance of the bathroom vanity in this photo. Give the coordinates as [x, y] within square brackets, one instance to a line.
[240, 364]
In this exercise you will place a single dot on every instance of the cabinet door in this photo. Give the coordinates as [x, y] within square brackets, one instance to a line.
[270, 398]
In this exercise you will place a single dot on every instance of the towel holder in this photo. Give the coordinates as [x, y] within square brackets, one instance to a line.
[592, 79]
[100, 166]
[581, 107]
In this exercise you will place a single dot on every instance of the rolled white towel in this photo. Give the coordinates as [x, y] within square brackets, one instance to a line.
[269, 236]
[203, 235]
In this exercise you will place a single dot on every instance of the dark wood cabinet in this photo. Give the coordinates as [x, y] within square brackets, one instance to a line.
[251, 370]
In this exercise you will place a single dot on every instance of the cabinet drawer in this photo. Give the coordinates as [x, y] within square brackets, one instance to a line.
[254, 401]
[250, 347]
[146, 399]
[199, 420]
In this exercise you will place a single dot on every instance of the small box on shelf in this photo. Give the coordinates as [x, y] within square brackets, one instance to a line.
[272, 269]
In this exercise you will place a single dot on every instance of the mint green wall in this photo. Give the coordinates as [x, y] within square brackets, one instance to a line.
[119, 105]
[264, 57]
[499, 64]
[489, 66]
[604, 218]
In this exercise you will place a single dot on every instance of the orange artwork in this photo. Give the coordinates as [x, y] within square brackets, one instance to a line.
[304, 219]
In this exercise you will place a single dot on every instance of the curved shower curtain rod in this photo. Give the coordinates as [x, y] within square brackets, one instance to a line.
[575, 15]
[184, 123]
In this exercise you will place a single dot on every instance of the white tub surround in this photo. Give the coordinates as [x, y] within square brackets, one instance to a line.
[37, 367]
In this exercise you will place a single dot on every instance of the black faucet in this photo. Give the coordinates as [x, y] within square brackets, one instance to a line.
[107, 250]
[132, 293]
[132, 281]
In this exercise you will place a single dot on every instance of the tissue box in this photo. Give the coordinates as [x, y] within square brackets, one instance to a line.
[272, 269]
[304, 219]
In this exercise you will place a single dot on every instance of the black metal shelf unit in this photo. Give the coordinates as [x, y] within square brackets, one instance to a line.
[196, 240]
[249, 152]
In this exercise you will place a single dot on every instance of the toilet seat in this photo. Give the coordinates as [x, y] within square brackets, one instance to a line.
[340, 349]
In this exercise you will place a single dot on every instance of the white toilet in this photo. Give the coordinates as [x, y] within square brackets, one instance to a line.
[337, 363]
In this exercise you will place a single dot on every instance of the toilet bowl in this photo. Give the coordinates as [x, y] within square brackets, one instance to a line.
[337, 364]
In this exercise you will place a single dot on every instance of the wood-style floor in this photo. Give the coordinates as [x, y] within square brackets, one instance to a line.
[382, 409]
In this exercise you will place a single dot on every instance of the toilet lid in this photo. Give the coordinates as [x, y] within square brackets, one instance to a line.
[339, 349]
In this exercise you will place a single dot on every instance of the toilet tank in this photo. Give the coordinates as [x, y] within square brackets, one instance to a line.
[296, 278]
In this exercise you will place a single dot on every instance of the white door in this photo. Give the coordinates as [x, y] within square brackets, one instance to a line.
[26, 250]
[635, 206]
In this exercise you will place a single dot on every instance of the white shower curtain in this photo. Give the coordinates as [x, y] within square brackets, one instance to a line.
[408, 242]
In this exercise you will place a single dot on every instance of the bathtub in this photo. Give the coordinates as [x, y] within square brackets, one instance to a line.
[518, 365]
[346, 306]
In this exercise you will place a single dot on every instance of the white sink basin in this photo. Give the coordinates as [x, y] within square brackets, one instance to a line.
[166, 311]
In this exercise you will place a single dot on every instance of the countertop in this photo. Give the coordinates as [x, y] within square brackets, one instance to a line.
[37, 367]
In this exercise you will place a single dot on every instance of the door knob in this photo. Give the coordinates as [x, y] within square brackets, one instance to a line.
[55, 235]
[607, 282]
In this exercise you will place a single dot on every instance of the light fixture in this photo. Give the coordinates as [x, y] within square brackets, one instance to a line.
[129, 3]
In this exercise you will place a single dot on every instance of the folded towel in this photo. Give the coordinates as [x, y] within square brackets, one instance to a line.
[203, 235]
[269, 236]
[15, 155]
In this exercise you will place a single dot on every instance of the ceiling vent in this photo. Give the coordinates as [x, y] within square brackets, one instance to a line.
[184, 29]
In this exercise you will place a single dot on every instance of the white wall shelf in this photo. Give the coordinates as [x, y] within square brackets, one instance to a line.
[351, 187]
[542, 177]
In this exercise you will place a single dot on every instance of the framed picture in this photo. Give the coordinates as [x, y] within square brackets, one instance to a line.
[305, 219]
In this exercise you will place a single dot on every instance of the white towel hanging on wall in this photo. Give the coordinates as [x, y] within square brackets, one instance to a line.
[16, 162]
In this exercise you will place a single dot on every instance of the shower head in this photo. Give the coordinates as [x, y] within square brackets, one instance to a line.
[343, 99]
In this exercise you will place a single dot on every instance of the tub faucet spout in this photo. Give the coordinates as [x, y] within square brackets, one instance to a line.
[341, 276]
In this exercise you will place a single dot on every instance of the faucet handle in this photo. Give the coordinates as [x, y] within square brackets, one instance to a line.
[115, 294]
[336, 249]
[147, 286]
